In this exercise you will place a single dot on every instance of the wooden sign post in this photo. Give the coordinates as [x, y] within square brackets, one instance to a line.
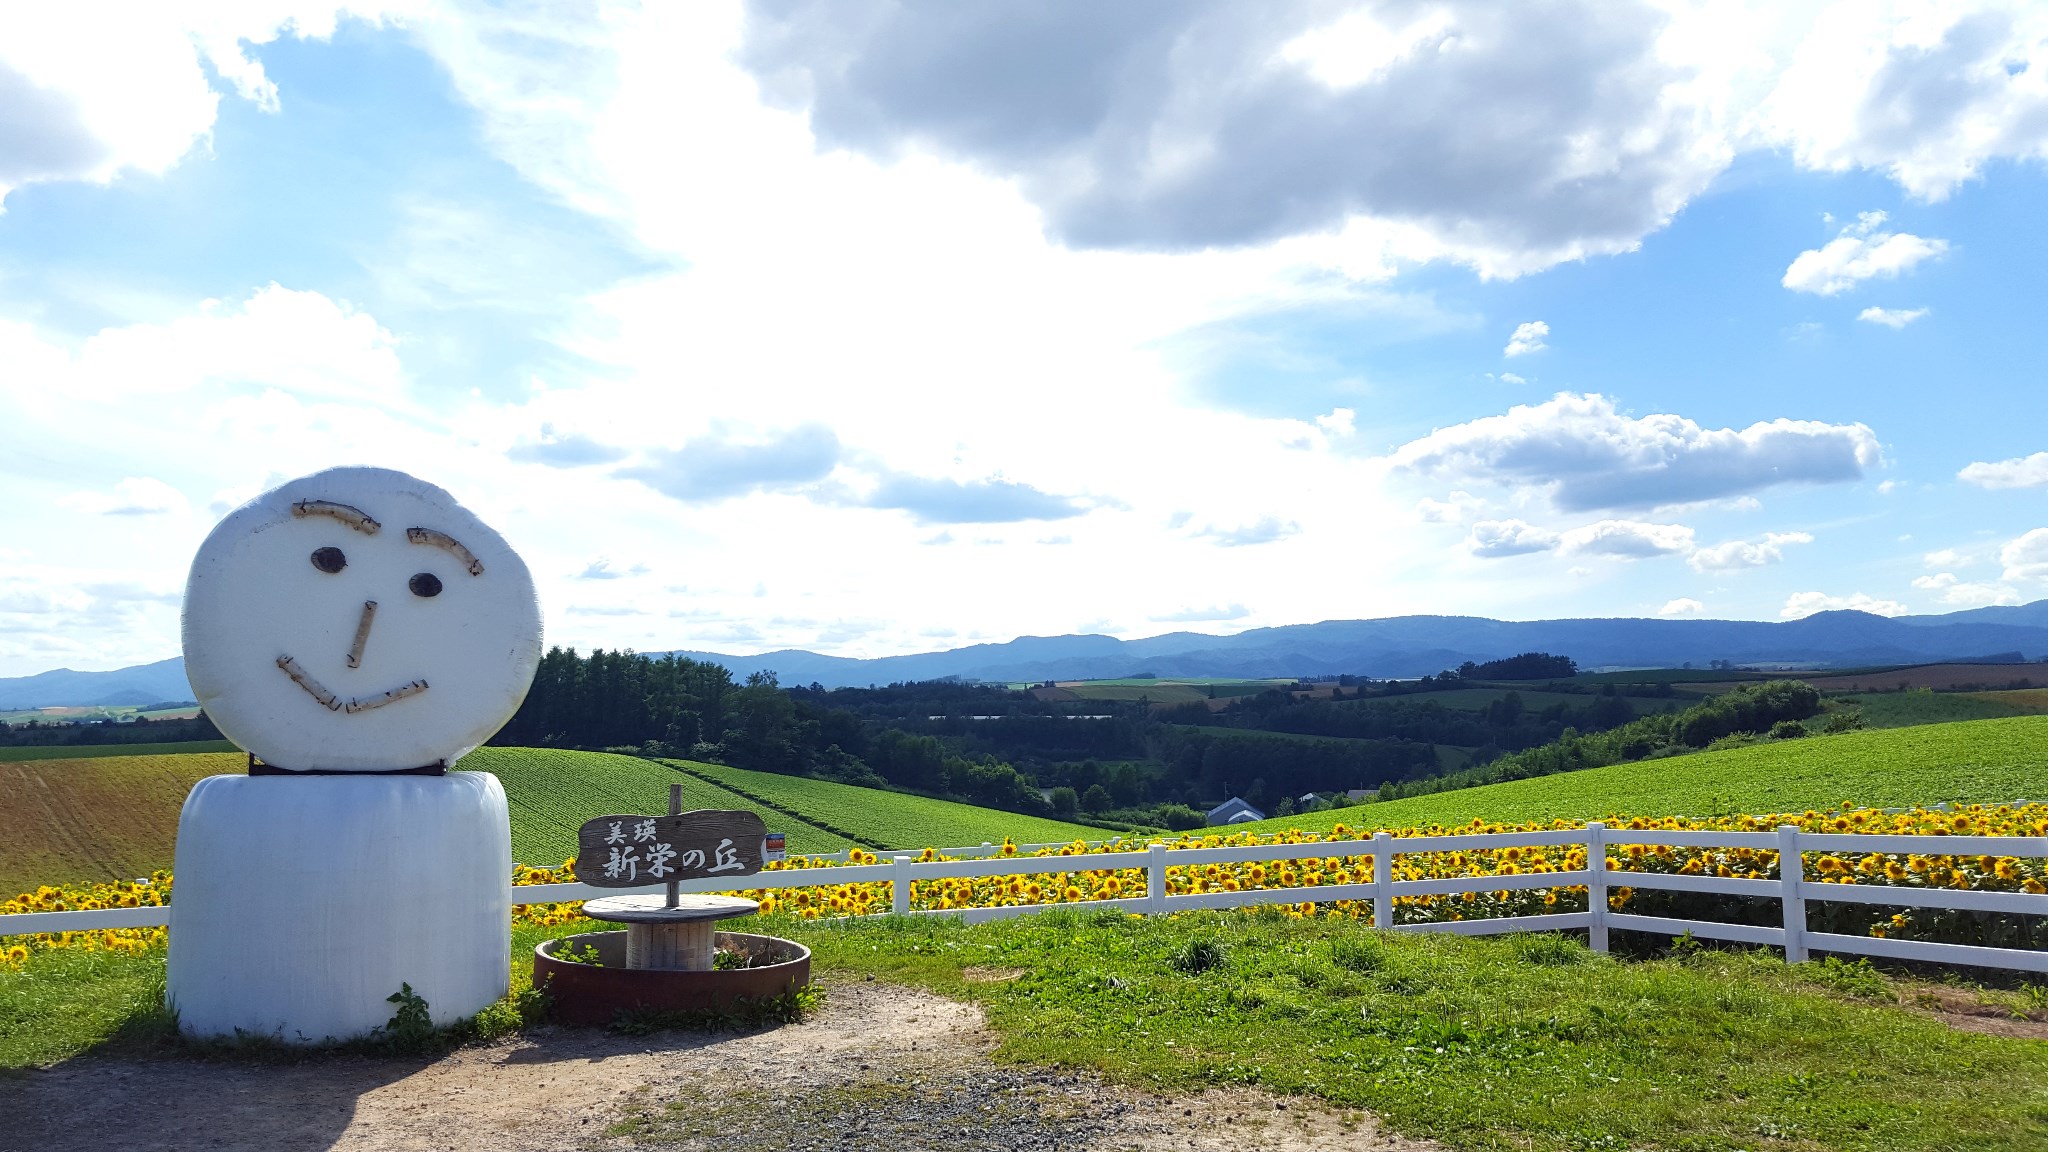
[626, 851]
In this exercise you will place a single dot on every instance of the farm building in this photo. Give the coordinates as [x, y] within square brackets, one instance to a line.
[1234, 811]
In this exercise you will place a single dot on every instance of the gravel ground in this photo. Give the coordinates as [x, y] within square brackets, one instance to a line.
[880, 1067]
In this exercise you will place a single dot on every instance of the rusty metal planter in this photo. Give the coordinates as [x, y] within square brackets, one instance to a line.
[588, 995]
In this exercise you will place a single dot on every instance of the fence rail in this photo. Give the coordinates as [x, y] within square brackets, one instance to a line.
[1599, 877]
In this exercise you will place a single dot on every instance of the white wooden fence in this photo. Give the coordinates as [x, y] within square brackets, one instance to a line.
[1790, 888]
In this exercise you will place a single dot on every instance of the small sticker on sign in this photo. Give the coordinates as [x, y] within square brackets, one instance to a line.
[772, 847]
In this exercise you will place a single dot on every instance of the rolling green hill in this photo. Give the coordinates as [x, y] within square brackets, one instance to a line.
[890, 819]
[1977, 761]
[552, 791]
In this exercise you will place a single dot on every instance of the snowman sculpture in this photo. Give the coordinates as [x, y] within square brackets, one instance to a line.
[356, 632]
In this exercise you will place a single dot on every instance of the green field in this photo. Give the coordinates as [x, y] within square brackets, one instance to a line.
[1536, 699]
[893, 819]
[551, 792]
[1979, 761]
[1920, 706]
[1676, 676]
[89, 751]
[111, 816]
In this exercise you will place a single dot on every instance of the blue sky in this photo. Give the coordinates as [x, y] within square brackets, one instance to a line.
[878, 328]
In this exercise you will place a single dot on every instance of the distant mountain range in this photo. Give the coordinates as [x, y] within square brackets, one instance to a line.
[1397, 646]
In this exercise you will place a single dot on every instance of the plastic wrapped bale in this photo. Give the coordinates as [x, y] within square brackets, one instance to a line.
[302, 904]
[356, 631]
[359, 620]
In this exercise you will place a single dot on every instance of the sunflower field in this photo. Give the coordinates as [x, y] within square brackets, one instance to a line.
[1065, 878]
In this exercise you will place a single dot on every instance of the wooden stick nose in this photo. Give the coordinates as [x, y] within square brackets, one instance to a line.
[355, 651]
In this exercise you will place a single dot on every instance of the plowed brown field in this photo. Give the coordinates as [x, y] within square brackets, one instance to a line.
[103, 818]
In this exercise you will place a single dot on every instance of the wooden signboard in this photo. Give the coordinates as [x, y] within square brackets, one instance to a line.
[634, 851]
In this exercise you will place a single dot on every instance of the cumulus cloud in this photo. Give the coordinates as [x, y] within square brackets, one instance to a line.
[1862, 252]
[1511, 378]
[1492, 538]
[1525, 339]
[1893, 318]
[941, 501]
[85, 97]
[1516, 136]
[1628, 539]
[2021, 472]
[1683, 606]
[1803, 604]
[1734, 554]
[1966, 594]
[1451, 509]
[135, 496]
[1927, 93]
[717, 468]
[2026, 558]
[1197, 615]
[1590, 456]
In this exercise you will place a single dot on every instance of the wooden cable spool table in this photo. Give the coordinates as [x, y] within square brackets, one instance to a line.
[670, 936]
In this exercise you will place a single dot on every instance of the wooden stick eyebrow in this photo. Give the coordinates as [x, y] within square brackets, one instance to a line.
[352, 516]
[448, 543]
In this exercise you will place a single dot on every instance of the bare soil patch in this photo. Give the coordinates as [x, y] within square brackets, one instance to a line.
[879, 1066]
[1971, 1012]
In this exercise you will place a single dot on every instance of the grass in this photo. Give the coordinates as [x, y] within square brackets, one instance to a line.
[891, 819]
[95, 751]
[101, 818]
[1520, 1042]
[552, 791]
[1980, 761]
[1922, 706]
[71, 1002]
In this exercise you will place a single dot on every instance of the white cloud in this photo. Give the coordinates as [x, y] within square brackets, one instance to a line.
[1734, 554]
[1587, 455]
[1450, 510]
[2022, 472]
[1338, 422]
[135, 496]
[1862, 252]
[1803, 604]
[1509, 538]
[1629, 539]
[1683, 606]
[1200, 615]
[91, 93]
[1945, 558]
[1893, 318]
[1527, 338]
[2026, 558]
[1511, 378]
[1925, 92]
[1964, 594]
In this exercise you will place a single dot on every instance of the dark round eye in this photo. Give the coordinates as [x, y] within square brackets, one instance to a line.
[329, 559]
[424, 584]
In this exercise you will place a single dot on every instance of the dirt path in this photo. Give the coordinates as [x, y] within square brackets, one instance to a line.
[880, 1066]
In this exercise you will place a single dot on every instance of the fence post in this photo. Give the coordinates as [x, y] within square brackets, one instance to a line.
[899, 895]
[1596, 885]
[1792, 878]
[1155, 880]
[1383, 879]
